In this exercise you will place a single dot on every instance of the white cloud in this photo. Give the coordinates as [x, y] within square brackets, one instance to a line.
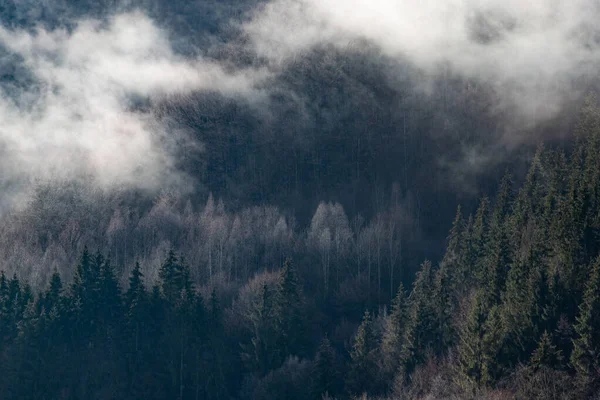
[77, 120]
[531, 51]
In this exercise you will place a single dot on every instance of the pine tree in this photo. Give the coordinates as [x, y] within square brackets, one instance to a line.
[586, 346]
[454, 249]
[471, 344]
[326, 379]
[216, 383]
[362, 374]
[420, 333]
[476, 249]
[480, 344]
[493, 355]
[135, 310]
[391, 346]
[199, 346]
[497, 257]
[288, 313]
[83, 300]
[265, 355]
[110, 303]
[449, 282]
[546, 354]
[174, 278]
[522, 307]
[445, 304]
[54, 291]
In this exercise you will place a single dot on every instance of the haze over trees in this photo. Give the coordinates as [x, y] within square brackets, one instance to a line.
[511, 310]
[307, 199]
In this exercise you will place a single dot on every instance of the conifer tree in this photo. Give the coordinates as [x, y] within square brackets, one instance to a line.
[52, 296]
[477, 241]
[110, 303]
[546, 354]
[586, 346]
[265, 354]
[522, 307]
[497, 257]
[391, 346]
[288, 313]
[135, 310]
[173, 278]
[420, 332]
[471, 344]
[216, 384]
[326, 379]
[362, 374]
[494, 359]
[445, 303]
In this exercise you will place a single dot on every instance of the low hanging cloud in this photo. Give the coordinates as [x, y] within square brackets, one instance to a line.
[80, 113]
[77, 116]
[534, 53]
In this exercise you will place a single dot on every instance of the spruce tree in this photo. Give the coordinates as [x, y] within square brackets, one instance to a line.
[265, 355]
[471, 342]
[494, 359]
[445, 304]
[173, 278]
[497, 258]
[586, 346]
[325, 374]
[135, 312]
[393, 336]
[420, 332]
[546, 354]
[288, 313]
[476, 249]
[110, 303]
[362, 374]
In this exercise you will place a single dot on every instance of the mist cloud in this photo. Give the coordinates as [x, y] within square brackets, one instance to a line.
[82, 115]
[79, 119]
[532, 52]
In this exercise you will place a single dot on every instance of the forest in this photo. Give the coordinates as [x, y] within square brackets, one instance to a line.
[511, 310]
[299, 199]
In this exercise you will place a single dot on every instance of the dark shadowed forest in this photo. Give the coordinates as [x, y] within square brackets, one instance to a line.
[512, 310]
[299, 199]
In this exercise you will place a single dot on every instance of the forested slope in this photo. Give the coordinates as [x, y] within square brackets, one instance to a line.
[512, 310]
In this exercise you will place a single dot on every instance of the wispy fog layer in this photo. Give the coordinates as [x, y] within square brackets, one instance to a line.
[84, 116]
[531, 51]
[85, 109]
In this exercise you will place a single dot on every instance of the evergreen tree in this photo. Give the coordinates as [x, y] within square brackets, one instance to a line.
[480, 344]
[362, 374]
[265, 355]
[546, 354]
[522, 307]
[391, 346]
[325, 374]
[445, 304]
[420, 332]
[471, 344]
[497, 257]
[586, 346]
[493, 355]
[110, 303]
[174, 277]
[135, 313]
[52, 296]
[288, 313]
[476, 249]
[216, 382]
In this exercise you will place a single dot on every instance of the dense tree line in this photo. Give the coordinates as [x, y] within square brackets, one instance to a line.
[512, 310]
[221, 246]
